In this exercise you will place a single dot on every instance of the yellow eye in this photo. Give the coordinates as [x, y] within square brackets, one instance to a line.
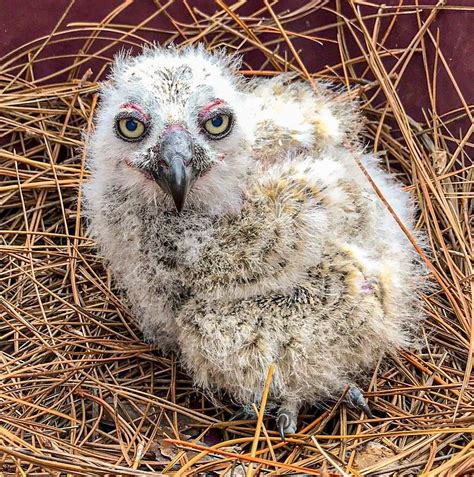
[218, 125]
[131, 128]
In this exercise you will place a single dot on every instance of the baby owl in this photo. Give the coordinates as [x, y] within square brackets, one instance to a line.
[243, 232]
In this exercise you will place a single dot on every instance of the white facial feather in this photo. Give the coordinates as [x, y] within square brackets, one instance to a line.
[148, 81]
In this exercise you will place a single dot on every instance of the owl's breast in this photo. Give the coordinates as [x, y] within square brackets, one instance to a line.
[175, 241]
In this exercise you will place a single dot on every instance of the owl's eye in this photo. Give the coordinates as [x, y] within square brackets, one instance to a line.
[131, 129]
[218, 126]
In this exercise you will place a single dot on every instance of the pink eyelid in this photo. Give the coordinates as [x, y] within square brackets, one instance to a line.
[210, 106]
[137, 108]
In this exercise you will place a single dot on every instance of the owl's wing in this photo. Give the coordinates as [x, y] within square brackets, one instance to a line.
[291, 215]
[292, 116]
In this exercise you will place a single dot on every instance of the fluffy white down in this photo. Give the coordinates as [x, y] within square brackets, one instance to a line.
[283, 254]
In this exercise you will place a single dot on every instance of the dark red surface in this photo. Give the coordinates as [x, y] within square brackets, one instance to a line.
[26, 20]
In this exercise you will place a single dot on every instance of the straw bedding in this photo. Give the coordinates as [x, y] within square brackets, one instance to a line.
[82, 394]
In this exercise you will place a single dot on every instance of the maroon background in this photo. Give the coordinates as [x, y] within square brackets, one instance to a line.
[26, 20]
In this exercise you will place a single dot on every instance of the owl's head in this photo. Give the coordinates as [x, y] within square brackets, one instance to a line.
[174, 125]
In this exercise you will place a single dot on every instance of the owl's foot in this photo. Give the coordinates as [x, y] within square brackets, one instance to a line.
[286, 416]
[245, 413]
[356, 399]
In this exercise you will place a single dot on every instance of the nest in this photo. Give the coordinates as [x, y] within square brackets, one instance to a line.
[82, 394]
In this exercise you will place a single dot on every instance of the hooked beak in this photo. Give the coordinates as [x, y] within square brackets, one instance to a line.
[172, 165]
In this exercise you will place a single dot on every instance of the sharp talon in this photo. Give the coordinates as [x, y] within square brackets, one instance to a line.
[238, 416]
[286, 423]
[282, 420]
[243, 414]
[367, 411]
[357, 400]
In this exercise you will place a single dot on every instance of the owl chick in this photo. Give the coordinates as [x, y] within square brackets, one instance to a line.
[243, 232]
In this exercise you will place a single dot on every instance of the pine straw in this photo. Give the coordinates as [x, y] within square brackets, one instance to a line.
[81, 394]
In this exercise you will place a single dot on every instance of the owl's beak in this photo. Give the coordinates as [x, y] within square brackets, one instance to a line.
[172, 169]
